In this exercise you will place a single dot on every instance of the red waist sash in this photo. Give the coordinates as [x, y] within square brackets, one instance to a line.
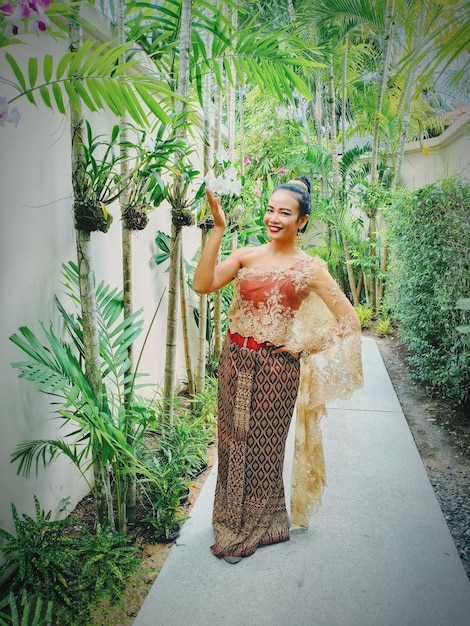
[246, 342]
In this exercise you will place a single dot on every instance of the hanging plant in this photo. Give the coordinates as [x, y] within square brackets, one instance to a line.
[135, 217]
[182, 216]
[92, 216]
[95, 182]
[180, 202]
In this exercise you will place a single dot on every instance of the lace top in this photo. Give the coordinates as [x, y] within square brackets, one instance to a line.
[280, 305]
[297, 307]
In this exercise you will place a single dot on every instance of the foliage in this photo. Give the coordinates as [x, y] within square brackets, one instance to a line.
[63, 562]
[103, 426]
[251, 53]
[25, 609]
[463, 304]
[95, 181]
[156, 153]
[180, 454]
[384, 326]
[364, 313]
[430, 273]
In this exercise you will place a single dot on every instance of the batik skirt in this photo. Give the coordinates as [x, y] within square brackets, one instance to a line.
[257, 395]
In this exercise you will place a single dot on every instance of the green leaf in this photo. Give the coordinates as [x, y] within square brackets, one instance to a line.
[94, 58]
[78, 57]
[48, 65]
[16, 71]
[74, 99]
[94, 88]
[57, 92]
[63, 64]
[32, 71]
[46, 98]
[152, 103]
[83, 93]
[132, 104]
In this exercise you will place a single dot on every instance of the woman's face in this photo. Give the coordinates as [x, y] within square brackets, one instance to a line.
[282, 218]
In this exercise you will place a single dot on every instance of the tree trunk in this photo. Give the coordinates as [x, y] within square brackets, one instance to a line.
[344, 81]
[172, 321]
[103, 496]
[184, 321]
[201, 364]
[406, 101]
[217, 345]
[127, 511]
[336, 195]
[180, 108]
[382, 87]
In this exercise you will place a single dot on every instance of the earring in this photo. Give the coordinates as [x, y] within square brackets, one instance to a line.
[299, 239]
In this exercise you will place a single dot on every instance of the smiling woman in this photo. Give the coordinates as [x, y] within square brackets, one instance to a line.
[286, 311]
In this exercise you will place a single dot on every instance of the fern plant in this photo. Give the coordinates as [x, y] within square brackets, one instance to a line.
[63, 562]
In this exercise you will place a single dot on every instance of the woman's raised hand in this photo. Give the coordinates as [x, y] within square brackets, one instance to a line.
[216, 209]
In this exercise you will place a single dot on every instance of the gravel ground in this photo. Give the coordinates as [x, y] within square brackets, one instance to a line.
[442, 436]
[451, 488]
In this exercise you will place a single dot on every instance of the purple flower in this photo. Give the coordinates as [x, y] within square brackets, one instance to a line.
[24, 15]
[3, 110]
[281, 170]
[7, 115]
[247, 161]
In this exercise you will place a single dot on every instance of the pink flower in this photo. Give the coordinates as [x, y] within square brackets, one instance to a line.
[281, 170]
[22, 15]
[247, 161]
[257, 192]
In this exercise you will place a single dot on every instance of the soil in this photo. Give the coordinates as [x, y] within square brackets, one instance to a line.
[442, 436]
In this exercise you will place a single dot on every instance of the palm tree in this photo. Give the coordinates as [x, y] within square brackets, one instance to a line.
[87, 290]
[178, 204]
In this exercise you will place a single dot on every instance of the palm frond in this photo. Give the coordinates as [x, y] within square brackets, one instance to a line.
[91, 75]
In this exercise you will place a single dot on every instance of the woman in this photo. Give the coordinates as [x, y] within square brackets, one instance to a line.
[292, 335]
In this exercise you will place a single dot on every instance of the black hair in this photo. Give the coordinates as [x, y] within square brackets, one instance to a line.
[301, 186]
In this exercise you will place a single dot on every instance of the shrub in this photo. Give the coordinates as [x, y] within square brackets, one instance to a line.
[429, 273]
[384, 326]
[62, 562]
[364, 313]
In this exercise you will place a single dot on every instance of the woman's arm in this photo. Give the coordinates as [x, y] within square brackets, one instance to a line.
[329, 291]
[210, 275]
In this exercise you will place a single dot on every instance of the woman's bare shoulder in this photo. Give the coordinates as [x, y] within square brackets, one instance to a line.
[251, 255]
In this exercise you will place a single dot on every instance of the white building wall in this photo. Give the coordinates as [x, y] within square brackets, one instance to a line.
[36, 237]
[444, 156]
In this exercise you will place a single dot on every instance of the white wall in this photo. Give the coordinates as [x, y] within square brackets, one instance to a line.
[446, 155]
[36, 237]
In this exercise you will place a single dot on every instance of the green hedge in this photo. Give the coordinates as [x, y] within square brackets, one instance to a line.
[429, 271]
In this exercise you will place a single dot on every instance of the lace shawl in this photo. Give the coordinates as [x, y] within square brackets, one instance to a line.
[280, 306]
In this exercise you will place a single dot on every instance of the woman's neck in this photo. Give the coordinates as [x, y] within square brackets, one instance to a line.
[277, 248]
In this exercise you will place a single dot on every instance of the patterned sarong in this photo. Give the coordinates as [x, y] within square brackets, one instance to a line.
[257, 395]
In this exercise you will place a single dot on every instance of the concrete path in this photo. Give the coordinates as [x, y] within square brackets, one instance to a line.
[378, 552]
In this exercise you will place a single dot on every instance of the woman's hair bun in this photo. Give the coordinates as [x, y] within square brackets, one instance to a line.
[305, 181]
[301, 181]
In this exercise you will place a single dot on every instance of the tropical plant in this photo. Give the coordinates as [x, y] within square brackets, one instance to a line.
[384, 326]
[86, 75]
[95, 180]
[364, 313]
[104, 429]
[64, 562]
[25, 609]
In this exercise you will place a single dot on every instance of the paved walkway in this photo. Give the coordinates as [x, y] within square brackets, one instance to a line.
[378, 553]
